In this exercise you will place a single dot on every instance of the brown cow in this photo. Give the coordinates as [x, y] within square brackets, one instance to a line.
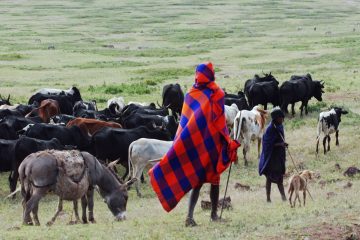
[90, 126]
[48, 108]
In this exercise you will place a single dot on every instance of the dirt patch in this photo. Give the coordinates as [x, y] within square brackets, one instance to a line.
[325, 231]
[342, 96]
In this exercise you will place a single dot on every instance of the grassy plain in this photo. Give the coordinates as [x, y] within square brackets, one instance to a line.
[133, 48]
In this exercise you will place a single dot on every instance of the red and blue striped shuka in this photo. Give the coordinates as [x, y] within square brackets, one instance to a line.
[202, 148]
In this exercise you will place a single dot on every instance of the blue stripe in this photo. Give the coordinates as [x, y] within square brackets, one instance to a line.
[164, 187]
[206, 71]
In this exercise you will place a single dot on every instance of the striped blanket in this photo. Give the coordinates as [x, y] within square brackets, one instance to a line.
[202, 148]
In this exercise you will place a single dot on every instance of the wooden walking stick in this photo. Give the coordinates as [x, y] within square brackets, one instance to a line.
[227, 184]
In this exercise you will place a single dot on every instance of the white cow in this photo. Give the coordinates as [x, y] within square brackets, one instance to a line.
[141, 154]
[230, 114]
[248, 126]
[116, 104]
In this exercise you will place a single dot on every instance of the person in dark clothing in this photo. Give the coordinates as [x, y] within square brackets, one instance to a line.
[272, 158]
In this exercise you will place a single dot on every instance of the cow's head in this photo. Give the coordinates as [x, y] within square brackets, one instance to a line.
[318, 90]
[270, 78]
[340, 111]
[75, 94]
[4, 100]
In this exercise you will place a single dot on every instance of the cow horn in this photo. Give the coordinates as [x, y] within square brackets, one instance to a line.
[8, 98]
[157, 102]
[112, 164]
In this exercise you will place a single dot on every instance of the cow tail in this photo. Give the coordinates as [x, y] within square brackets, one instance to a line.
[319, 128]
[129, 160]
[238, 126]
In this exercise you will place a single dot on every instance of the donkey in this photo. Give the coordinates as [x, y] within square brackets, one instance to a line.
[71, 175]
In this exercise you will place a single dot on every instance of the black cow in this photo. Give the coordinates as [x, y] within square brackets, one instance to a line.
[239, 95]
[262, 91]
[73, 92]
[66, 103]
[133, 108]
[4, 101]
[6, 154]
[81, 106]
[137, 119]
[7, 132]
[329, 123]
[111, 144]
[18, 123]
[300, 88]
[173, 98]
[7, 112]
[67, 136]
[24, 147]
[62, 119]
[24, 109]
[256, 79]
[239, 99]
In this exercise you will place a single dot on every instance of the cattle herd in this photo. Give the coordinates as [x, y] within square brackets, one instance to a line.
[135, 135]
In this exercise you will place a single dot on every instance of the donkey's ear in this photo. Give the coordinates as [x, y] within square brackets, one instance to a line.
[130, 182]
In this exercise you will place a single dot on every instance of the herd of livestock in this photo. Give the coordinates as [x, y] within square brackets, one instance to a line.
[135, 134]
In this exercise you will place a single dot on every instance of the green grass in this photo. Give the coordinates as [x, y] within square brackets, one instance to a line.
[132, 48]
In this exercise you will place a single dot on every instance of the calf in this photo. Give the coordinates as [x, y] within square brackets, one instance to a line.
[329, 123]
[48, 108]
[141, 152]
[91, 126]
[248, 126]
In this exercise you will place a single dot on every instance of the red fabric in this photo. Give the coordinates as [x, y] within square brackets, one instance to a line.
[202, 148]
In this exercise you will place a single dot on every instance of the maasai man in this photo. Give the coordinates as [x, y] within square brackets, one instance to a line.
[272, 158]
[202, 148]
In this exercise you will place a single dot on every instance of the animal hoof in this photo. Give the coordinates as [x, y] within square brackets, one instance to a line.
[28, 223]
[93, 221]
[49, 223]
[190, 222]
[73, 222]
